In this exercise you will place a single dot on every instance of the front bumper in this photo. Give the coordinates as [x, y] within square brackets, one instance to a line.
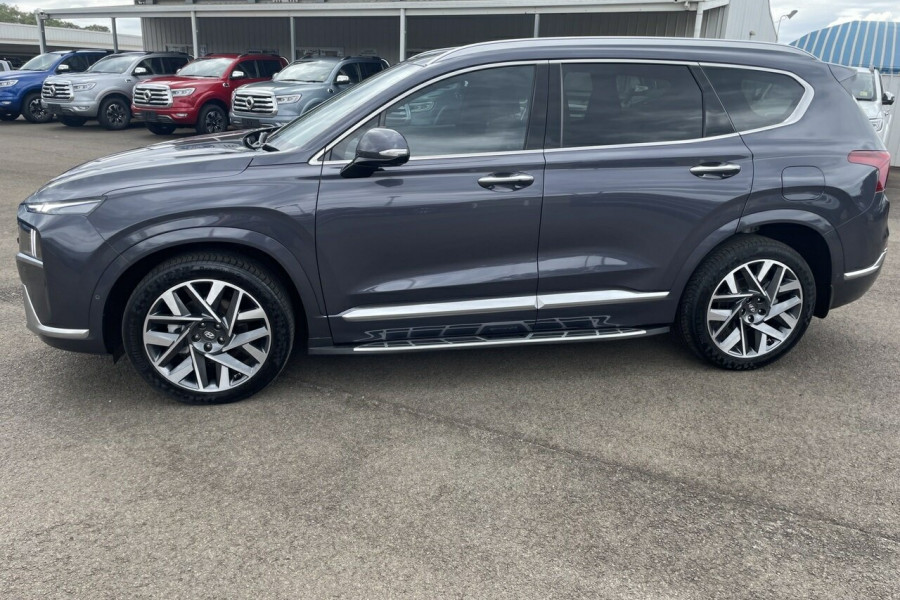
[71, 109]
[167, 116]
[255, 121]
[10, 103]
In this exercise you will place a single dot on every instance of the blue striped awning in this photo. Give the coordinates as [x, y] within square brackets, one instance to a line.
[856, 44]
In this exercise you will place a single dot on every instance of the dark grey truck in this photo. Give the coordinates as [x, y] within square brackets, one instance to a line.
[514, 192]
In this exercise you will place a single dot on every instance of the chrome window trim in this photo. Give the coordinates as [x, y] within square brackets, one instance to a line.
[445, 156]
[492, 305]
[318, 156]
[35, 325]
[868, 270]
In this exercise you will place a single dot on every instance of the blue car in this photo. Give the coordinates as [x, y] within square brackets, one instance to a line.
[20, 90]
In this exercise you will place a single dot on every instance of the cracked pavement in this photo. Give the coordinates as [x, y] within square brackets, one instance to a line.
[611, 470]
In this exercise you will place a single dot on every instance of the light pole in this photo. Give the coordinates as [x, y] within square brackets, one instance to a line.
[788, 16]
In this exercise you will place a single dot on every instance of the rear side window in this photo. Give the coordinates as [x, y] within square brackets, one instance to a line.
[267, 68]
[170, 64]
[606, 104]
[753, 98]
[368, 69]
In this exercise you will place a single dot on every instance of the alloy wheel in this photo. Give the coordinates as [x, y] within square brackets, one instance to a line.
[214, 121]
[207, 335]
[755, 308]
[37, 109]
[115, 114]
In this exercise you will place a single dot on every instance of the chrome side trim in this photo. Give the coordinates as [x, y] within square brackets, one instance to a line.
[493, 305]
[29, 259]
[867, 270]
[35, 325]
[566, 337]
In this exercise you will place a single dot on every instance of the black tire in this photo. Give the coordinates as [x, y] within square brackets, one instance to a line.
[262, 290]
[9, 116]
[212, 119]
[114, 114]
[160, 128]
[72, 121]
[694, 320]
[33, 111]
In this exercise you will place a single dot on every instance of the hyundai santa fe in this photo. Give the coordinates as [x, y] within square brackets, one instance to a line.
[514, 192]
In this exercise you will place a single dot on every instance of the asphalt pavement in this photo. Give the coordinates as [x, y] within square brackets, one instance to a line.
[614, 470]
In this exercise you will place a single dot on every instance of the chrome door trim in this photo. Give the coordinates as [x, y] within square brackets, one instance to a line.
[867, 270]
[493, 305]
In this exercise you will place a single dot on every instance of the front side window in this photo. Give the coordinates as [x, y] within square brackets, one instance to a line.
[351, 72]
[267, 68]
[754, 98]
[77, 63]
[609, 103]
[206, 67]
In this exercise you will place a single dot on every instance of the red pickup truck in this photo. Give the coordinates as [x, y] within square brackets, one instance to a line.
[200, 93]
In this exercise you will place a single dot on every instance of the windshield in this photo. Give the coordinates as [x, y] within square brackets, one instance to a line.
[863, 86]
[336, 111]
[40, 63]
[112, 64]
[313, 71]
[206, 67]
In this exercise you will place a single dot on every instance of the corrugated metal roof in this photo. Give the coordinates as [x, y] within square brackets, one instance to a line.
[856, 44]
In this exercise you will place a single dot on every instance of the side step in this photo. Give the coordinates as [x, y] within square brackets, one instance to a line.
[555, 337]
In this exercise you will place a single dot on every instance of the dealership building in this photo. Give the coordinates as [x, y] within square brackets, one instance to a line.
[397, 29]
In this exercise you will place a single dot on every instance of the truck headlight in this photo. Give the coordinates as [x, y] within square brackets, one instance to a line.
[8, 83]
[65, 207]
[182, 92]
[288, 99]
[83, 87]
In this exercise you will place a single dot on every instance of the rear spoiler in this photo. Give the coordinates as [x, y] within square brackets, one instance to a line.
[842, 73]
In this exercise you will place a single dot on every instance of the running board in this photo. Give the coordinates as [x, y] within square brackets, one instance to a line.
[416, 345]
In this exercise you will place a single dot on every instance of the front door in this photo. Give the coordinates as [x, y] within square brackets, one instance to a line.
[446, 245]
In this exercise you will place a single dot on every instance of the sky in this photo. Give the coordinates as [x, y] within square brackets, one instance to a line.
[811, 14]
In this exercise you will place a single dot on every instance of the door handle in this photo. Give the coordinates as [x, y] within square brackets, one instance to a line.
[506, 181]
[716, 170]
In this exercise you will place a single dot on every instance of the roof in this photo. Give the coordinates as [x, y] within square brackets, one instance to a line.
[856, 44]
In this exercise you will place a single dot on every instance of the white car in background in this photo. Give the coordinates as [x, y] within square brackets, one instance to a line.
[5, 66]
[869, 92]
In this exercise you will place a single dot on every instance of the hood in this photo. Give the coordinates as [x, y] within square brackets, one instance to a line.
[282, 86]
[204, 157]
[22, 75]
[175, 81]
[870, 108]
[76, 77]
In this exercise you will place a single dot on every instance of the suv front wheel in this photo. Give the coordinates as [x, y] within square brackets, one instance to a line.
[209, 328]
[114, 114]
[33, 110]
[748, 303]
[212, 120]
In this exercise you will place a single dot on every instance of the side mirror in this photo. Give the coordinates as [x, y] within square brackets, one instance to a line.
[63, 68]
[887, 98]
[238, 74]
[342, 80]
[141, 71]
[377, 148]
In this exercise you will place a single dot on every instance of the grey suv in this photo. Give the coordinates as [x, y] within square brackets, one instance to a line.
[104, 91]
[297, 88]
[515, 192]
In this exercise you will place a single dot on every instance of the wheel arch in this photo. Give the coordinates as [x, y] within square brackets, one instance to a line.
[111, 93]
[118, 282]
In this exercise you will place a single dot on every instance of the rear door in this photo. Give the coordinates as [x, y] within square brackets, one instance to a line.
[446, 245]
[642, 165]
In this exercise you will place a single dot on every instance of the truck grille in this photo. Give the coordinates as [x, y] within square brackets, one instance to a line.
[152, 95]
[60, 90]
[254, 103]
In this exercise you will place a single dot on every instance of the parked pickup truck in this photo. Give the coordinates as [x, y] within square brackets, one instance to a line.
[20, 90]
[104, 90]
[301, 86]
[198, 95]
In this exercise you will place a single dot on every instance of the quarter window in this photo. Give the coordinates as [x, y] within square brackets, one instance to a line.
[753, 98]
[606, 104]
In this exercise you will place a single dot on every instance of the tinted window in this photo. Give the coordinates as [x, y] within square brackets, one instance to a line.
[171, 64]
[249, 68]
[605, 104]
[152, 66]
[754, 98]
[77, 63]
[350, 71]
[267, 68]
[369, 69]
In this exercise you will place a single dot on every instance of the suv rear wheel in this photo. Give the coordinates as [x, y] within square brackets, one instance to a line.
[115, 114]
[747, 304]
[72, 121]
[212, 119]
[209, 328]
[33, 111]
[160, 129]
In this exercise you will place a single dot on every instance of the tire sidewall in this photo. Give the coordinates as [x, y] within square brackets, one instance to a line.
[106, 123]
[276, 306]
[26, 109]
[201, 119]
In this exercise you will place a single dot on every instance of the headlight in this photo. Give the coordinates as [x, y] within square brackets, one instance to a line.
[8, 83]
[287, 99]
[64, 207]
[182, 92]
[81, 87]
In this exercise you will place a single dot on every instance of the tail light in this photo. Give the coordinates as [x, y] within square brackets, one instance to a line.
[879, 159]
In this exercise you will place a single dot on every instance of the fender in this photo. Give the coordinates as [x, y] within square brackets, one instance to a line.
[313, 304]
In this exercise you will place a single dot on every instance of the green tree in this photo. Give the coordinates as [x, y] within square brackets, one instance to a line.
[12, 14]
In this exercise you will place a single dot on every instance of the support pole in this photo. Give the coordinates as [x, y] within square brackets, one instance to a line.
[698, 21]
[402, 34]
[537, 25]
[194, 33]
[115, 35]
[293, 52]
[42, 33]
